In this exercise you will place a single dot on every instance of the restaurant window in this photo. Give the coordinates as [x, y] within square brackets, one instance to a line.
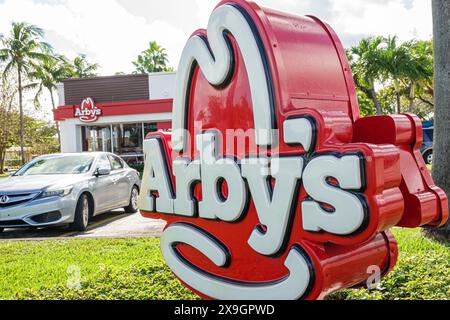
[97, 138]
[128, 139]
[125, 140]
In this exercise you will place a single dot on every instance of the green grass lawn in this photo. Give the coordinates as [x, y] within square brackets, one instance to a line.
[109, 269]
[422, 272]
[134, 269]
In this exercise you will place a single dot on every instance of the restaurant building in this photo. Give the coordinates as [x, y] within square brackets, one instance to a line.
[114, 114]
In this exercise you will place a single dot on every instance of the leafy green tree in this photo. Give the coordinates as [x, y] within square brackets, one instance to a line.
[405, 70]
[21, 50]
[405, 65]
[80, 67]
[420, 83]
[387, 99]
[366, 105]
[153, 59]
[366, 63]
[48, 73]
[9, 119]
[394, 60]
[41, 136]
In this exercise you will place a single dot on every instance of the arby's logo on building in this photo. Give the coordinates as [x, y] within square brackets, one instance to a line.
[87, 111]
[272, 185]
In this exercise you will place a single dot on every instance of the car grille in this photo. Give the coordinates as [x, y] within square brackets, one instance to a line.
[47, 217]
[13, 223]
[10, 200]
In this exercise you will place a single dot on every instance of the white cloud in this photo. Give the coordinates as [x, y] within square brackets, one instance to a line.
[113, 32]
[385, 18]
[354, 19]
[102, 29]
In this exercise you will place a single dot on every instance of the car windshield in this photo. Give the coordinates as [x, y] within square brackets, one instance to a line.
[76, 164]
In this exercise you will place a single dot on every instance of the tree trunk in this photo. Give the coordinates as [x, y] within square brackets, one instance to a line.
[56, 122]
[431, 104]
[441, 154]
[2, 160]
[398, 96]
[22, 124]
[399, 102]
[376, 102]
[411, 98]
[411, 105]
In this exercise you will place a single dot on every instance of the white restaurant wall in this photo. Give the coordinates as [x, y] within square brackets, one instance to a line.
[70, 137]
[162, 85]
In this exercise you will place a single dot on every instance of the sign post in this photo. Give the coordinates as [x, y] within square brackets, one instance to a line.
[272, 184]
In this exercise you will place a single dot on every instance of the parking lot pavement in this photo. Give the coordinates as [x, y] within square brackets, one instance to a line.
[114, 224]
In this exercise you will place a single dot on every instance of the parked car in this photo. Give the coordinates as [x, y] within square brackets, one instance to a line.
[63, 189]
[427, 147]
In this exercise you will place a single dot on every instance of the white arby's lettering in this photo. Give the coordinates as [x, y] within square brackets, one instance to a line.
[88, 111]
[348, 214]
[274, 204]
[213, 171]
[156, 180]
[274, 207]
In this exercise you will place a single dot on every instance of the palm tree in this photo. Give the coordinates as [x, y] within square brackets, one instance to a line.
[23, 48]
[425, 89]
[365, 61]
[406, 65]
[421, 71]
[396, 62]
[154, 59]
[48, 73]
[81, 68]
[441, 155]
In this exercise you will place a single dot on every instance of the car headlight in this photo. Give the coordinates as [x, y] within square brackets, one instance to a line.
[63, 192]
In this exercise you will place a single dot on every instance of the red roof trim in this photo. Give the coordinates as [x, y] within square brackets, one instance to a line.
[118, 108]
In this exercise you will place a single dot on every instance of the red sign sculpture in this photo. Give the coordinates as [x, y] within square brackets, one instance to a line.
[272, 185]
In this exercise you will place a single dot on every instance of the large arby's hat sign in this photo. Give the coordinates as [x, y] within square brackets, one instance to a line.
[271, 184]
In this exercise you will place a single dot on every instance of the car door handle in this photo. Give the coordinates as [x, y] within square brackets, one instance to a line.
[115, 181]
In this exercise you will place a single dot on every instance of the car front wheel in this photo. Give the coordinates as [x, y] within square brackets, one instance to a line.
[81, 214]
[132, 206]
[428, 156]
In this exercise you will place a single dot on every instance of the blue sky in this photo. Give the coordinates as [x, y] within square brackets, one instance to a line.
[113, 32]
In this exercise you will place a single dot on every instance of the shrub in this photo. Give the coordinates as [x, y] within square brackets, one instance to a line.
[422, 272]
[133, 269]
[143, 283]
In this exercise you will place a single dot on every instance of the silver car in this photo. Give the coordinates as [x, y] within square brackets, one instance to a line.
[63, 189]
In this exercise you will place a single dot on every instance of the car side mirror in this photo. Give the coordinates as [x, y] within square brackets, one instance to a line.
[102, 172]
